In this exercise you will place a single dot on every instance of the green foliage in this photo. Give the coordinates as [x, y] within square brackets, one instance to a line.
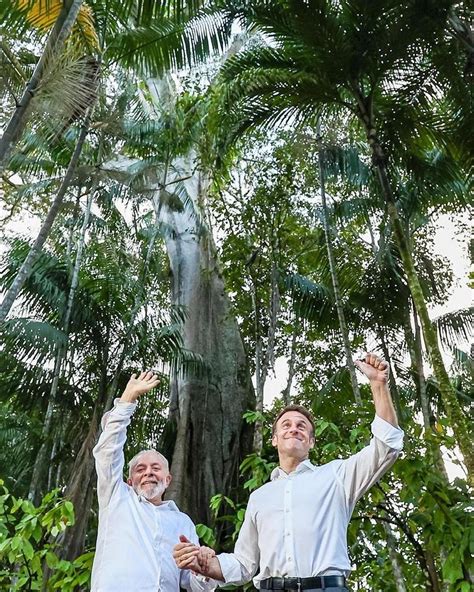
[408, 64]
[206, 535]
[29, 540]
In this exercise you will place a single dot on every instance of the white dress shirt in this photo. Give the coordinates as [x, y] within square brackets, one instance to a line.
[296, 525]
[135, 538]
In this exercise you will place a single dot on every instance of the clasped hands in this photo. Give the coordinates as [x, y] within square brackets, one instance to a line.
[193, 557]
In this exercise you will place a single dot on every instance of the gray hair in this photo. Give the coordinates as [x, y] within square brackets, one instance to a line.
[134, 461]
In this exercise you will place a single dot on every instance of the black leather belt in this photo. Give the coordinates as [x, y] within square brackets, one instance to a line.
[321, 582]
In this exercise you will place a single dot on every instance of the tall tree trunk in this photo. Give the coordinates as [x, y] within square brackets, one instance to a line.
[61, 30]
[27, 266]
[207, 411]
[415, 350]
[40, 467]
[428, 417]
[335, 282]
[453, 409]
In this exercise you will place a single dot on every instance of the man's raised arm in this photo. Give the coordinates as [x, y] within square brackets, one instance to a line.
[377, 372]
[108, 452]
[360, 471]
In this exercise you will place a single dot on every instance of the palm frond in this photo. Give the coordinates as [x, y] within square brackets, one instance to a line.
[312, 301]
[68, 89]
[31, 339]
[168, 44]
[190, 364]
[341, 162]
[456, 326]
[43, 291]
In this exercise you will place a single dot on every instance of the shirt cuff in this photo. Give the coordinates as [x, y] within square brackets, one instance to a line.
[200, 583]
[121, 408]
[387, 433]
[230, 568]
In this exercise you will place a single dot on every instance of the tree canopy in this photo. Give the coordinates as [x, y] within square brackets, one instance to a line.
[211, 189]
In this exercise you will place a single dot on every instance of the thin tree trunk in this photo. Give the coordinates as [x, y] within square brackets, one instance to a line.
[335, 283]
[425, 559]
[41, 458]
[27, 266]
[428, 417]
[291, 363]
[259, 378]
[61, 30]
[394, 558]
[454, 412]
[265, 360]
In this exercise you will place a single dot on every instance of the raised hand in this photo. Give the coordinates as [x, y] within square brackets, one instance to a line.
[139, 386]
[374, 368]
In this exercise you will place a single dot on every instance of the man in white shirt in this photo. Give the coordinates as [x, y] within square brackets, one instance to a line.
[294, 532]
[137, 529]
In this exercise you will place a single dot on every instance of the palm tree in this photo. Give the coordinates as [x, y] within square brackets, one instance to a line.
[141, 36]
[376, 64]
[67, 14]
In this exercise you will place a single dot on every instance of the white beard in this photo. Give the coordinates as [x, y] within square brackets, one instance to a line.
[150, 492]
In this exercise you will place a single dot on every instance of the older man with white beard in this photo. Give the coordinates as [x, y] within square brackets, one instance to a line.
[137, 529]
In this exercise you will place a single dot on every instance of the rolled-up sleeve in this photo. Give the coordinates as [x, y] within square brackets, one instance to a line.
[362, 470]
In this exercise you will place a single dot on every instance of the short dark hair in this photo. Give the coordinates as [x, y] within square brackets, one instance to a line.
[299, 409]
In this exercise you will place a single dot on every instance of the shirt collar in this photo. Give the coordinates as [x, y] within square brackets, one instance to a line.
[305, 465]
[168, 505]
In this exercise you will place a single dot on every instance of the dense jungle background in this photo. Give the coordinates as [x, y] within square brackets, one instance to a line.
[216, 189]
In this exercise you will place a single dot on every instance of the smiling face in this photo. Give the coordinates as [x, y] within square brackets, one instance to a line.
[293, 435]
[150, 476]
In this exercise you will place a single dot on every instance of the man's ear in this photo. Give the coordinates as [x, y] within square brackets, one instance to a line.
[168, 479]
[274, 441]
[129, 481]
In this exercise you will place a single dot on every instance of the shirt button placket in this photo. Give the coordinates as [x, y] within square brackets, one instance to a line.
[288, 527]
[158, 536]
